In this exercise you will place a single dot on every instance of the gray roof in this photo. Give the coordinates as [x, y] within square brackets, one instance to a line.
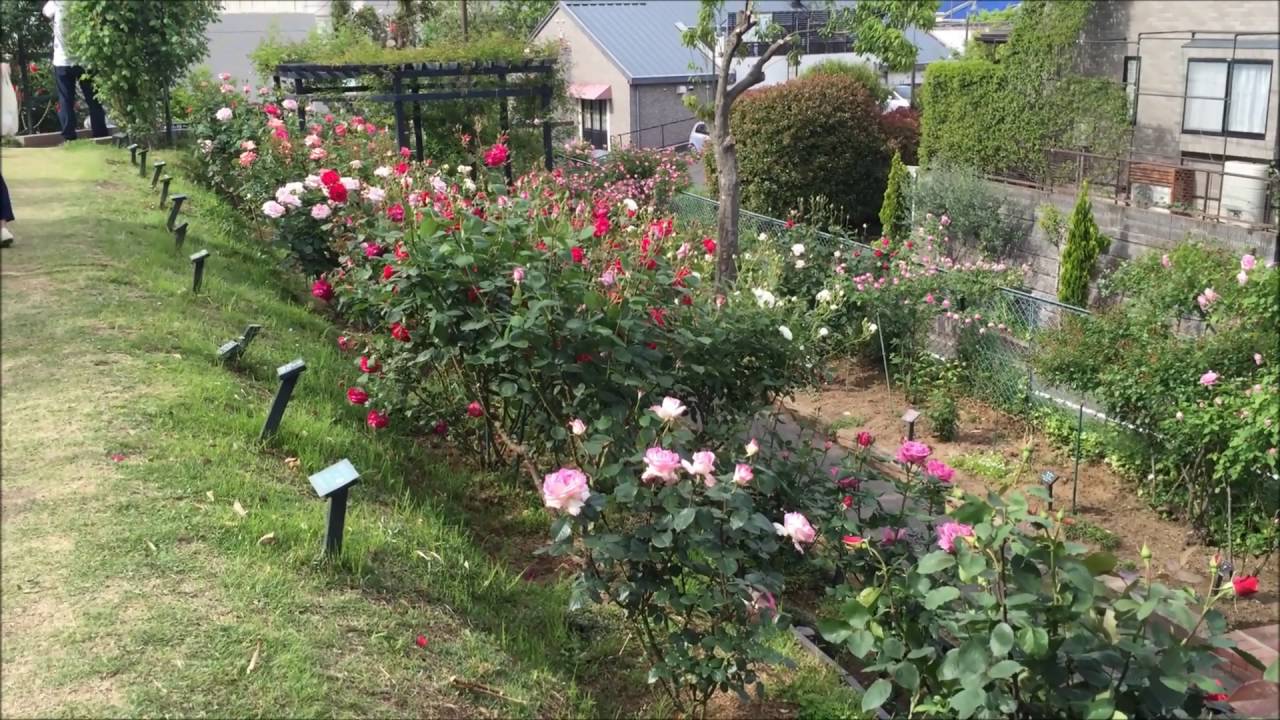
[643, 38]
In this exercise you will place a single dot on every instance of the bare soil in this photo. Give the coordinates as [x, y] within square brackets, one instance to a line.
[858, 400]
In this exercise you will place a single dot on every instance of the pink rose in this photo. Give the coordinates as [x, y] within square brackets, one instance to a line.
[704, 464]
[913, 453]
[743, 475]
[939, 471]
[565, 489]
[669, 410]
[1248, 262]
[661, 464]
[1209, 378]
[517, 275]
[322, 290]
[273, 209]
[320, 211]
[797, 527]
[889, 536]
[949, 531]
[865, 439]
[1257, 358]
[1164, 260]
[577, 427]
[356, 396]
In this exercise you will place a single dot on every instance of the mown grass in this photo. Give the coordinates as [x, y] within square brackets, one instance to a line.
[154, 594]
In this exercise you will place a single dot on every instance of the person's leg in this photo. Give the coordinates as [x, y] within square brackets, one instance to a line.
[97, 117]
[66, 80]
[6, 214]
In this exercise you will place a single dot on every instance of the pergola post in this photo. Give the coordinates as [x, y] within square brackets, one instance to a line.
[545, 106]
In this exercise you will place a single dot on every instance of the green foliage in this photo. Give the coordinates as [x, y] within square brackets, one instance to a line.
[1085, 531]
[1003, 114]
[986, 465]
[1053, 223]
[975, 211]
[895, 213]
[819, 694]
[1142, 359]
[995, 614]
[943, 411]
[840, 154]
[27, 41]
[861, 72]
[137, 51]
[1080, 254]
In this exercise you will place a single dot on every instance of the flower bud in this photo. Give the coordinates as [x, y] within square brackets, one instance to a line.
[1145, 552]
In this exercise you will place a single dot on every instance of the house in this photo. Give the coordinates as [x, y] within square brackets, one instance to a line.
[1204, 94]
[629, 71]
[959, 21]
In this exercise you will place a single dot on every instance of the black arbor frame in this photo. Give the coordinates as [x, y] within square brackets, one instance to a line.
[417, 83]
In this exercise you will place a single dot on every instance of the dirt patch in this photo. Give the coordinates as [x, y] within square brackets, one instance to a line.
[858, 400]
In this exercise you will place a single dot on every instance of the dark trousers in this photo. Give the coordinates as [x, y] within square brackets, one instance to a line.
[6, 207]
[67, 76]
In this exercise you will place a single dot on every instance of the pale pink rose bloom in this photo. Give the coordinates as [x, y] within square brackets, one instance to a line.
[355, 165]
[566, 489]
[350, 183]
[1248, 262]
[1257, 358]
[889, 536]
[383, 171]
[608, 278]
[320, 211]
[224, 76]
[517, 275]
[290, 104]
[318, 153]
[577, 427]
[661, 464]
[375, 195]
[1242, 277]
[248, 145]
[913, 453]
[704, 464]
[1209, 378]
[312, 141]
[669, 410]
[1165, 261]
[796, 526]
[752, 447]
[273, 209]
[683, 252]
[223, 114]
[312, 182]
[264, 90]
[288, 199]
[742, 474]
[224, 89]
[949, 531]
[247, 158]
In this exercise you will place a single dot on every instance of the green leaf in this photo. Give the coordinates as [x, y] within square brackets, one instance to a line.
[860, 643]
[1100, 563]
[934, 562]
[1273, 673]
[834, 631]
[875, 695]
[869, 595]
[1033, 641]
[684, 518]
[662, 539]
[1004, 669]
[972, 660]
[967, 701]
[1102, 708]
[906, 675]
[1147, 608]
[939, 596]
[1001, 639]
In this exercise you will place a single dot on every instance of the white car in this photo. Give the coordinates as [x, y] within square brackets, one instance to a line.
[899, 97]
[698, 136]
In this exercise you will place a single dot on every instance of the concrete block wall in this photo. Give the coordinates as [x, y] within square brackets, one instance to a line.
[1133, 231]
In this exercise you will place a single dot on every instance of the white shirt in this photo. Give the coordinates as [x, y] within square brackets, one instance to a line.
[54, 10]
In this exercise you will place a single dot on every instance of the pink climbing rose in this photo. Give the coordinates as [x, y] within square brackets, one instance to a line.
[949, 531]
[796, 526]
[743, 475]
[661, 464]
[565, 489]
[1248, 262]
[913, 453]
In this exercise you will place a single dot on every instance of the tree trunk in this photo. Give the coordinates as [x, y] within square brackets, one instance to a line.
[727, 214]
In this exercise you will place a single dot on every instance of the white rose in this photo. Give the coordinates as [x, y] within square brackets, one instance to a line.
[823, 296]
[797, 249]
[823, 332]
[799, 264]
[785, 331]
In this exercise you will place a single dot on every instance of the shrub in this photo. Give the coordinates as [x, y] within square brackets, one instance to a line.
[1080, 254]
[813, 136]
[902, 132]
[861, 72]
[895, 220]
[976, 216]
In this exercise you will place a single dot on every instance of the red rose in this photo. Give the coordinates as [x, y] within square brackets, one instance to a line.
[338, 193]
[402, 168]
[271, 110]
[32, 67]
[369, 366]
[344, 342]
[652, 345]
[329, 177]
[789, 224]
[578, 254]
[376, 419]
[496, 155]
[395, 213]
[322, 290]
[388, 272]
[1245, 585]
[356, 396]
[847, 502]
[659, 316]
[865, 439]
[400, 332]
[372, 250]
[584, 357]
[1215, 697]
[475, 409]
[709, 245]
[852, 541]
[441, 428]
[602, 225]
[422, 639]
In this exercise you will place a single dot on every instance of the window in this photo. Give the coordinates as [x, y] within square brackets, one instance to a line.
[595, 123]
[1132, 66]
[1227, 97]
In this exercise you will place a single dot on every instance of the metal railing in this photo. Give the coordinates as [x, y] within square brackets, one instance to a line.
[669, 134]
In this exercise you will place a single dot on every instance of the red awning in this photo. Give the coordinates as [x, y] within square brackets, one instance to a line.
[590, 92]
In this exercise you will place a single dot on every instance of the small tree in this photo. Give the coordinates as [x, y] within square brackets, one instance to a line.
[874, 27]
[1084, 244]
[895, 222]
[137, 50]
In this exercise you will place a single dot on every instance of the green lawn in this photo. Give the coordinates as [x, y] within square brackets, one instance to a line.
[159, 560]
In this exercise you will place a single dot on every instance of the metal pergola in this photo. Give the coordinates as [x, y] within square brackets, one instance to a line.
[416, 83]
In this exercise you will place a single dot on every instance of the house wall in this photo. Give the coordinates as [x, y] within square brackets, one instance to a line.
[654, 105]
[1113, 32]
[583, 62]
[1134, 231]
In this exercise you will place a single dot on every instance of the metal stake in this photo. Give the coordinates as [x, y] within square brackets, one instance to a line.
[179, 236]
[142, 163]
[337, 518]
[288, 375]
[333, 483]
[133, 153]
[164, 189]
[198, 260]
[1047, 478]
[173, 211]
[1075, 481]
[155, 176]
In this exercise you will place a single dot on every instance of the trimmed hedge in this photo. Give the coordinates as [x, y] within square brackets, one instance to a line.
[968, 117]
[814, 136]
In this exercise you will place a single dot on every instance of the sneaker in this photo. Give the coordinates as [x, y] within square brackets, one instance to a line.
[6, 238]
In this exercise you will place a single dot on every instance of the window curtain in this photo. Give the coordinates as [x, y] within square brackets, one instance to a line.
[1250, 93]
[1205, 80]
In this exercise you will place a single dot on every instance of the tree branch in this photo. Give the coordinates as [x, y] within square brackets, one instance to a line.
[756, 73]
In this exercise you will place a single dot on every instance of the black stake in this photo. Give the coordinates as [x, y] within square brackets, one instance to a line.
[230, 351]
[288, 375]
[198, 260]
[179, 236]
[164, 189]
[909, 417]
[155, 176]
[133, 153]
[142, 163]
[333, 483]
[249, 334]
[1047, 478]
[173, 211]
